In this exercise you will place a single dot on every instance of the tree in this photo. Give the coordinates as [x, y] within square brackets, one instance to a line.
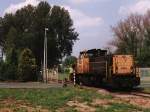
[29, 24]
[8, 71]
[127, 34]
[10, 46]
[69, 61]
[27, 66]
[145, 60]
[9, 68]
[132, 36]
[1, 31]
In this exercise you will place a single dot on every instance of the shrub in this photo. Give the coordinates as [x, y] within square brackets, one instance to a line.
[27, 66]
[8, 71]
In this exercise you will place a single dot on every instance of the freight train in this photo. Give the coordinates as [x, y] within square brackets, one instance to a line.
[95, 67]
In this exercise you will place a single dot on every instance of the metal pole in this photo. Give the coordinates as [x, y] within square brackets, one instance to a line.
[44, 77]
[45, 57]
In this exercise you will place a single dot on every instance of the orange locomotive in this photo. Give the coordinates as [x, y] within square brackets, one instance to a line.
[95, 67]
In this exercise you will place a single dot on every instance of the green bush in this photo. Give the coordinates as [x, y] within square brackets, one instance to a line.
[25, 70]
[27, 66]
[8, 71]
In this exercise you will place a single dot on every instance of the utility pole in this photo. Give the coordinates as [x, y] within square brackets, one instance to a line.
[45, 56]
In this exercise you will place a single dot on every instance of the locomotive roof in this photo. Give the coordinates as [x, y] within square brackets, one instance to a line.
[94, 51]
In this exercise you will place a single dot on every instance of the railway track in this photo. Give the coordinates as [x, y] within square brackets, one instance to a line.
[142, 94]
[135, 97]
[134, 92]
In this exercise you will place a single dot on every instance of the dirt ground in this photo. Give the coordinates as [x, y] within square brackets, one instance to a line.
[11, 105]
[139, 101]
[81, 107]
[134, 100]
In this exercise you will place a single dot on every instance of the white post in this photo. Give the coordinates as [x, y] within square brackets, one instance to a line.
[74, 78]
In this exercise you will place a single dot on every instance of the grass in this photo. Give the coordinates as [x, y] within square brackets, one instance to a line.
[56, 98]
[62, 76]
[146, 90]
[145, 81]
[52, 98]
[119, 107]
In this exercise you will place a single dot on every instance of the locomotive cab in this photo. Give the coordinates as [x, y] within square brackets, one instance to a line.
[91, 66]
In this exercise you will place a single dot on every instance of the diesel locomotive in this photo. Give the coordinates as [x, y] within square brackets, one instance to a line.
[95, 67]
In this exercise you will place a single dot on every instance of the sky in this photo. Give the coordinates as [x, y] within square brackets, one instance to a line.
[92, 18]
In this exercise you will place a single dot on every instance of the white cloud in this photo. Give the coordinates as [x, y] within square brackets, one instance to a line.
[79, 1]
[89, 29]
[14, 7]
[81, 20]
[140, 7]
[85, 1]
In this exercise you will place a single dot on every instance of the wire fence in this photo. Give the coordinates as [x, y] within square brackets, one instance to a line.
[145, 74]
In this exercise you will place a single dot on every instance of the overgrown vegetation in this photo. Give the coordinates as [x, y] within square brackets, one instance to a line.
[132, 36]
[69, 61]
[25, 29]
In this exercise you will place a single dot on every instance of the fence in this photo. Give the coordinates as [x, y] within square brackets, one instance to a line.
[54, 75]
[145, 74]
